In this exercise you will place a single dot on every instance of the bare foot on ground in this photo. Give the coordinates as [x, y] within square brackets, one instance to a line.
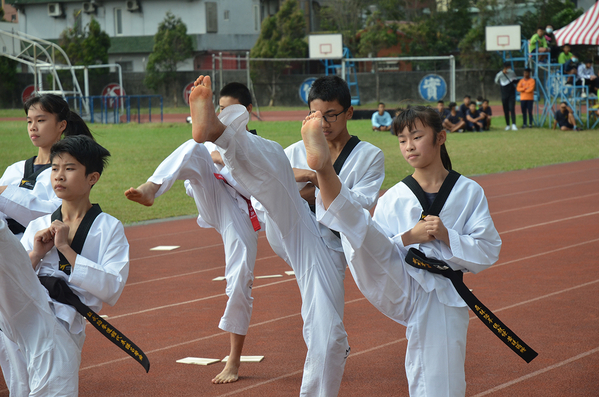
[317, 150]
[228, 375]
[205, 125]
[144, 194]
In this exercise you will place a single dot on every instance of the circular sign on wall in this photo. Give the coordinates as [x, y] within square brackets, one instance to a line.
[304, 89]
[28, 92]
[112, 90]
[432, 88]
[187, 92]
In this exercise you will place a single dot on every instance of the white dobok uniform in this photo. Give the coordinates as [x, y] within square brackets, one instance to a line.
[435, 315]
[261, 167]
[24, 205]
[49, 335]
[223, 207]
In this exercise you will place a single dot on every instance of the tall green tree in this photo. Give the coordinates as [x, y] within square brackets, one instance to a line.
[172, 45]
[440, 31]
[376, 35]
[87, 46]
[8, 81]
[346, 17]
[472, 47]
[557, 13]
[281, 36]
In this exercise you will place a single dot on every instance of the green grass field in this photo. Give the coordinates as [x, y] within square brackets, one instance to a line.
[138, 149]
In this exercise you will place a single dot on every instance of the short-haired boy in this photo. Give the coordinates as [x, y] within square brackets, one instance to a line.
[454, 121]
[223, 205]
[381, 119]
[263, 169]
[474, 119]
[486, 110]
[48, 334]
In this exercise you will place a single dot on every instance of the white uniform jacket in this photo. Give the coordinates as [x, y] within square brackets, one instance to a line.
[475, 243]
[362, 173]
[24, 205]
[99, 273]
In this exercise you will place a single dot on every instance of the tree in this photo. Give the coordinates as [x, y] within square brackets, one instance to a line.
[172, 45]
[376, 36]
[8, 82]
[86, 47]
[345, 17]
[556, 13]
[472, 47]
[281, 36]
[439, 32]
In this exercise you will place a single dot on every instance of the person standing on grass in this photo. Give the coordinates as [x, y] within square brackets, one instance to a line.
[506, 78]
[526, 88]
[223, 205]
[462, 235]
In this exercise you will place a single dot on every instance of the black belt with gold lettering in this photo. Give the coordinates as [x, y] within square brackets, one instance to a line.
[417, 259]
[60, 291]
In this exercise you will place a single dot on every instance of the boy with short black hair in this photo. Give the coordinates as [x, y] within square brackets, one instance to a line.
[454, 122]
[564, 117]
[442, 110]
[474, 118]
[381, 119]
[78, 246]
[486, 110]
[465, 106]
[223, 205]
[314, 253]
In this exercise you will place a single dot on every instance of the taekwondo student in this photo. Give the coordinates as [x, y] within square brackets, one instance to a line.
[25, 188]
[260, 166]
[223, 205]
[50, 334]
[463, 235]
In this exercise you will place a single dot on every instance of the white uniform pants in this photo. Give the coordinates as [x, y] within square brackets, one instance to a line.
[436, 333]
[191, 161]
[49, 364]
[261, 167]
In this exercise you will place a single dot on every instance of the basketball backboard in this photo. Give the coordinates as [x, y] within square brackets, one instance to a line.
[503, 38]
[326, 46]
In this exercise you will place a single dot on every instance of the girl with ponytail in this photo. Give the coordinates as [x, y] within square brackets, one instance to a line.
[435, 210]
[25, 187]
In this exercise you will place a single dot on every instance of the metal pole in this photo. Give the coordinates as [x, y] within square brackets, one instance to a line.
[220, 70]
[452, 77]
[343, 67]
[247, 68]
[86, 85]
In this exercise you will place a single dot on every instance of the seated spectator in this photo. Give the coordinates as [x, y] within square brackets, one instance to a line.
[381, 120]
[551, 42]
[565, 118]
[569, 61]
[587, 76]
[474, 119]
[442, 110]
[485, 110]
[526, 88]
[538, 39]
[464, 106]
[454, 122]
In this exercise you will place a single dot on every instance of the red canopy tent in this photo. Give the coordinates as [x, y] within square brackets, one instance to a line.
[582, 31]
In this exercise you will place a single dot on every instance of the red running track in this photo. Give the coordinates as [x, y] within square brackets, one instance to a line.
[545, 287]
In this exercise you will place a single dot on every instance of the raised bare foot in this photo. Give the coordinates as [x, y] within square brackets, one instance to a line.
[228, 375]
[317, 149]
[205, 125]
[144, 194]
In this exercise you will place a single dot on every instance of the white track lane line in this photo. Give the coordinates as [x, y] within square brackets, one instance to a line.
[549, 222]
[538, 372]
[569, 199]
[552, 187]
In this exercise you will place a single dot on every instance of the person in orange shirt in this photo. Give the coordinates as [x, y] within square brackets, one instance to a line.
[526, 88]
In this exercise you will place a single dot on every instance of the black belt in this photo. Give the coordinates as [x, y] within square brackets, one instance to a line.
[60, 291]
[419, 260]
[14, 226]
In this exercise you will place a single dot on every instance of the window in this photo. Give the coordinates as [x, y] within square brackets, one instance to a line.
[211, 18]
[256, 18]
[126, 66]
[118, 21]
[226, 17]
